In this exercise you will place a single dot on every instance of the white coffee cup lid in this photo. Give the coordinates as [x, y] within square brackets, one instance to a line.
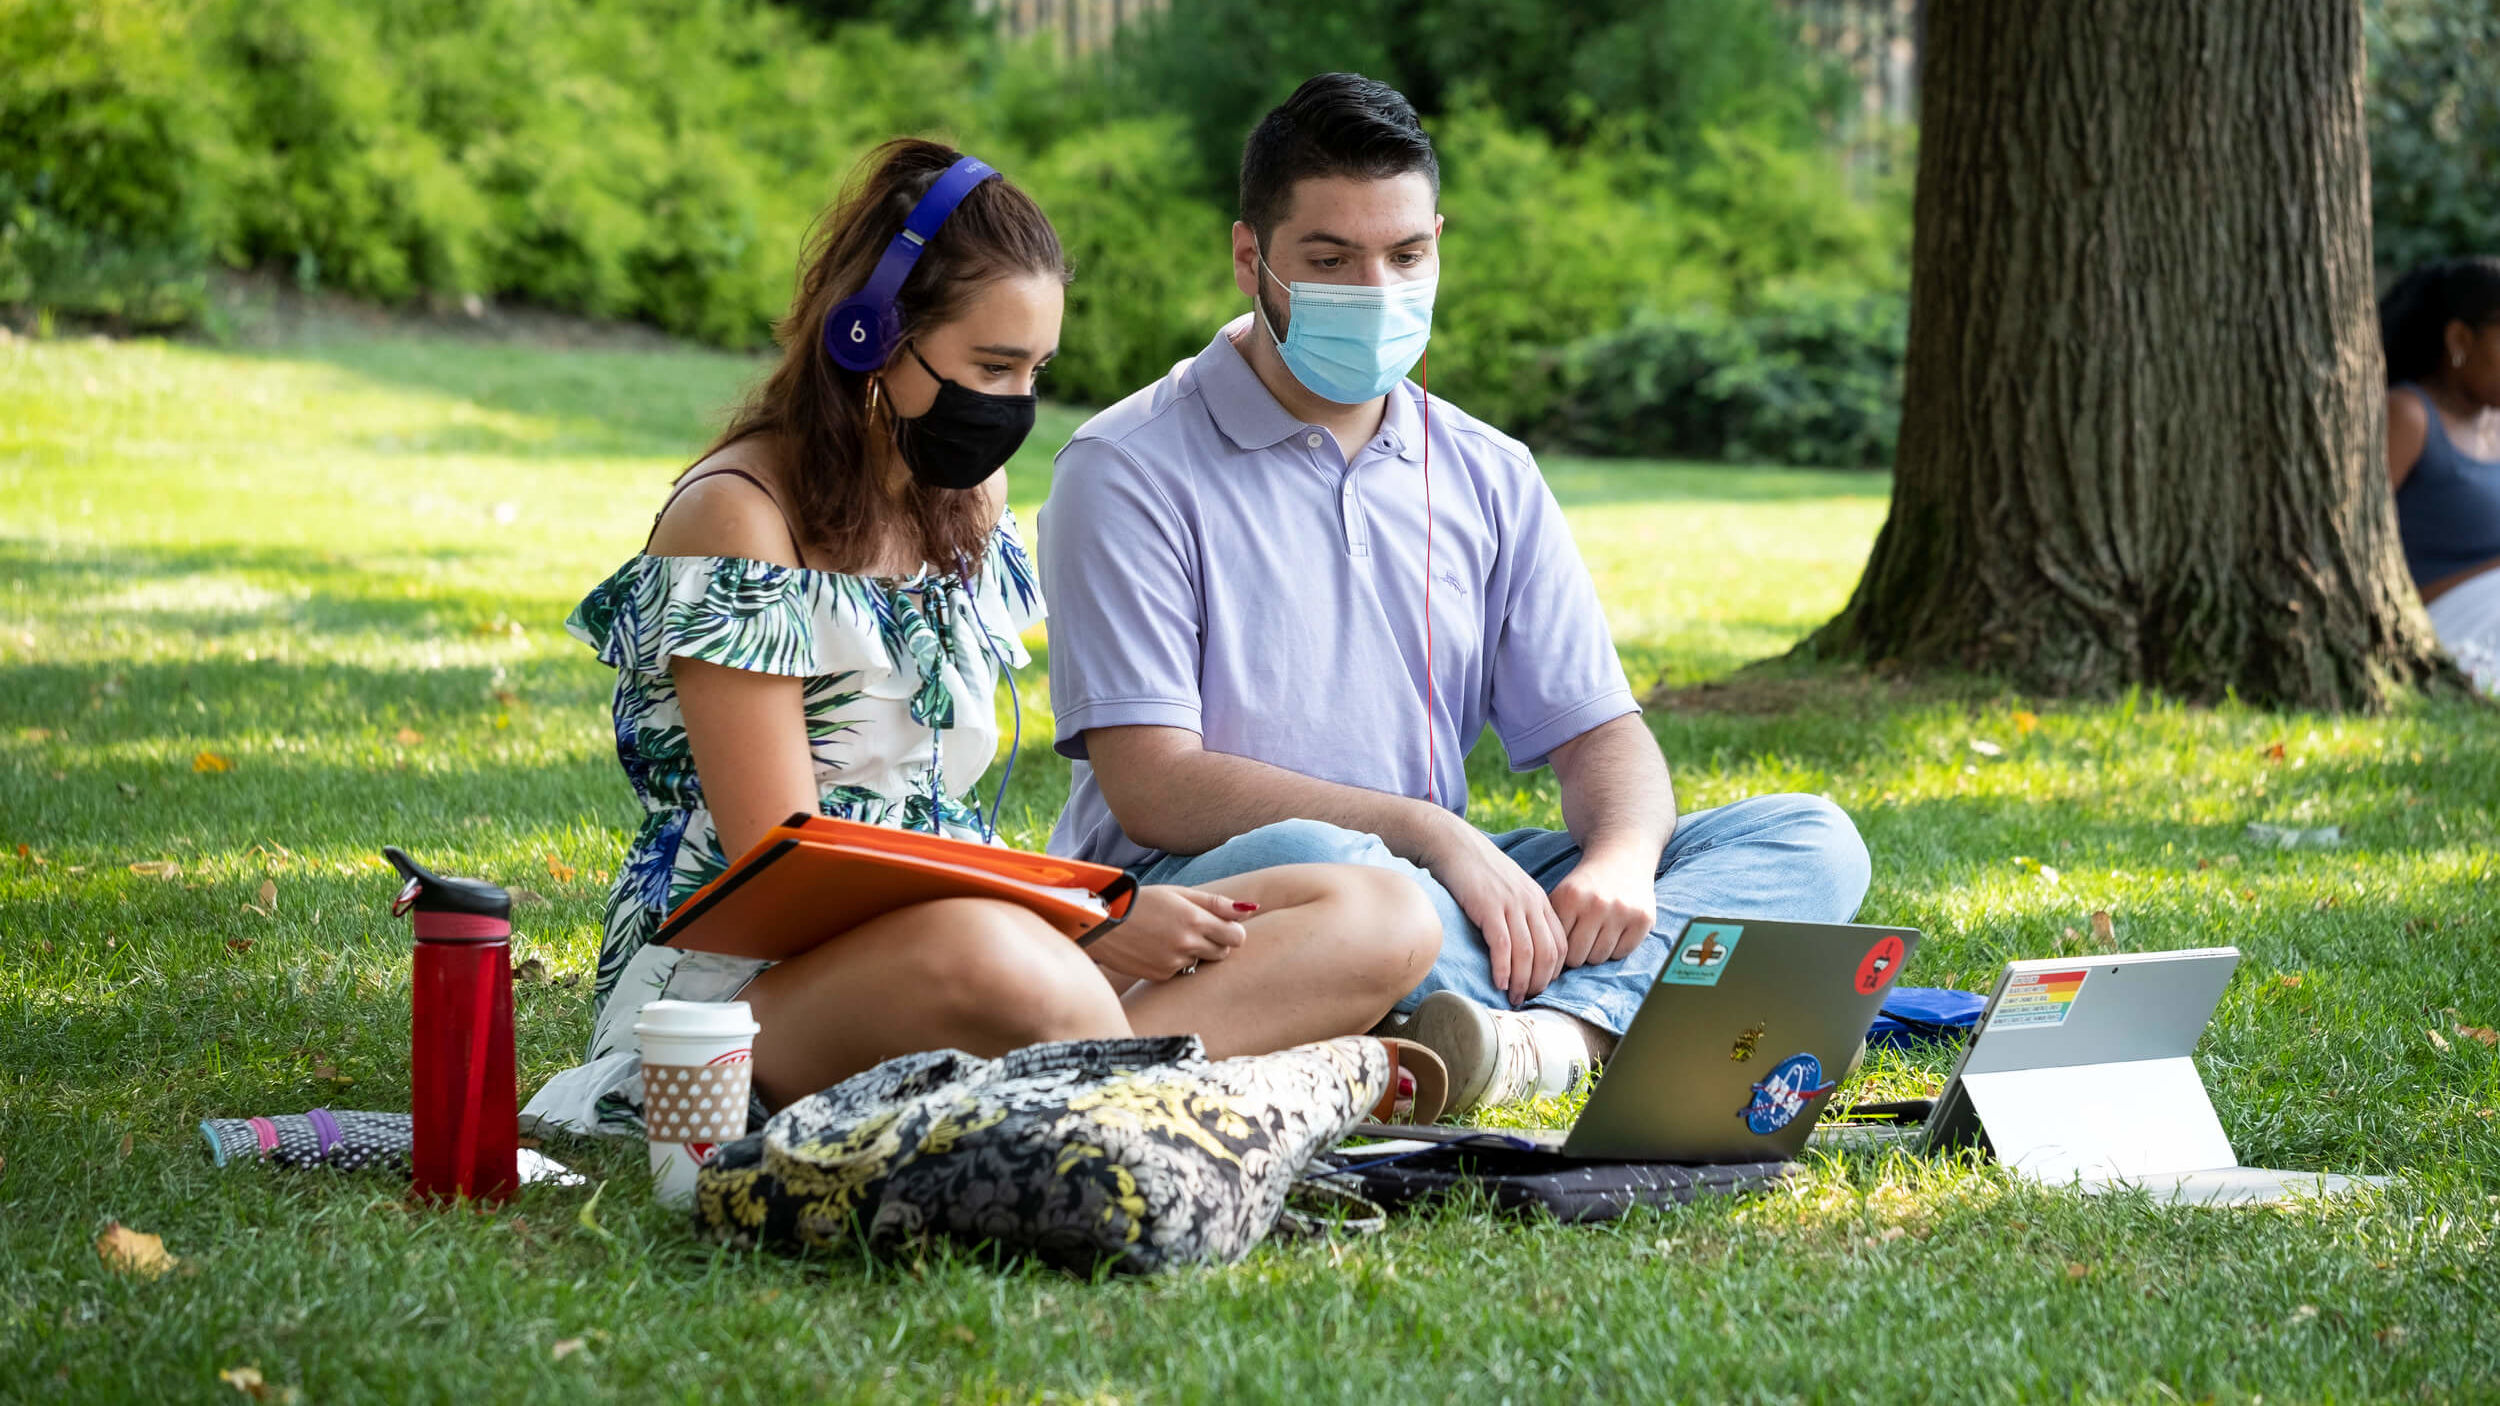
[696, 1019]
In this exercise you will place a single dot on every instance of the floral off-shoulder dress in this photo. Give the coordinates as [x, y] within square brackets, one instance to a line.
[900, 678]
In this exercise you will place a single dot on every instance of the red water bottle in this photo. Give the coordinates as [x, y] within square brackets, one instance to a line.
[466, 1101]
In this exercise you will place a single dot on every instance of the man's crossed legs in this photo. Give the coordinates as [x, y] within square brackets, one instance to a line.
[1795, 857]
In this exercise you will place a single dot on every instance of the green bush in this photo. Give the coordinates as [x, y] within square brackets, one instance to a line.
[106, 166]
[2434, 130]
[1807, 377]
[662, 159]
[1153, 280]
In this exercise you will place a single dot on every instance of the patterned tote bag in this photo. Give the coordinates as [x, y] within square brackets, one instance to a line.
[1135, 1154]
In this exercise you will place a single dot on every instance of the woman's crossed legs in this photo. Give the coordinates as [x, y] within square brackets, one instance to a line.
[1331, 948]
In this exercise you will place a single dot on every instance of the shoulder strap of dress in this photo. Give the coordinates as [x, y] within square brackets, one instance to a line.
[685, 483]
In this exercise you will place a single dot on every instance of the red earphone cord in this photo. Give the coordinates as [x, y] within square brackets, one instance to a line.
[1432, 756]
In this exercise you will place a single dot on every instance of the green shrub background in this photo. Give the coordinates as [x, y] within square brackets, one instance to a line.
[1652, 246]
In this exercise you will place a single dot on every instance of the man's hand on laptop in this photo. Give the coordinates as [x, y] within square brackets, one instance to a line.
[1606, 907]
[1520, 931]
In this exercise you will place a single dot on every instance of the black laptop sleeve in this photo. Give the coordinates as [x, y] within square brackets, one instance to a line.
[1526, 1180]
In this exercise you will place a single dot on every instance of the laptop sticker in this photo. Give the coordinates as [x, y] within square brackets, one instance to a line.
[1701, 957]
[2037, 1000]
[1878, 965]
[1784, 1093]
[1743, 1049]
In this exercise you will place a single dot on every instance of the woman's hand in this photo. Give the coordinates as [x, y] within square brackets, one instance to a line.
[1170, 930]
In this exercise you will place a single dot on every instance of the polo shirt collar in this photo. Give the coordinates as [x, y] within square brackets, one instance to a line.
[1243, 409]
[1247, 412]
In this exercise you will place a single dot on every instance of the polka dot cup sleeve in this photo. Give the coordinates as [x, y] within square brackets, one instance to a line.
[697, 1062]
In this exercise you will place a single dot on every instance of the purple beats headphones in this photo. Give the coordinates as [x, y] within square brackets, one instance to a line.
[860, 334]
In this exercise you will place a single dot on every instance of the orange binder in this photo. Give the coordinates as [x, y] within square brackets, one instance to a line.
[811, 878]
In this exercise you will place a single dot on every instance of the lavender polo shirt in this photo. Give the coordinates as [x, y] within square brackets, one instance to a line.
[1214, 564]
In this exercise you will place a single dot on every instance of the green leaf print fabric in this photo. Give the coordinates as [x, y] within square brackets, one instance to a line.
[898, 698]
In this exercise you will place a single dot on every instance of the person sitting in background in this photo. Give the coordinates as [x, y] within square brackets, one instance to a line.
[818, 623]
[1293, 590]
[2441, 327]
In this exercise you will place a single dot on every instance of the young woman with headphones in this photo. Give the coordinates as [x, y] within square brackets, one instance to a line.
[826, 603]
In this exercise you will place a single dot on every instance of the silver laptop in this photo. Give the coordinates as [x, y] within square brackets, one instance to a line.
[2080, 1074]
[1735, 1052]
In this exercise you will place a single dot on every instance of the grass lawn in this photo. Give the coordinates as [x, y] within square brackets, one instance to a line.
[261, 613]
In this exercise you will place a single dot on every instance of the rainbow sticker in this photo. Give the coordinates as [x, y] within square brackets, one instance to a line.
[2036, 1000]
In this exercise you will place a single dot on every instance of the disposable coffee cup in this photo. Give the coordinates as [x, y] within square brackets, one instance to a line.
[698, 1061]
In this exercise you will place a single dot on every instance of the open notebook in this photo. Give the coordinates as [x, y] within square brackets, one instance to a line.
[810, 879]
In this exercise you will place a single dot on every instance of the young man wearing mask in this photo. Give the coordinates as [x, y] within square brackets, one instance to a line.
[1236, 558]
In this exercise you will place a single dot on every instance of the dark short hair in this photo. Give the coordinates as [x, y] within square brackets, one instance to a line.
[2413, 318]
[1338, 124]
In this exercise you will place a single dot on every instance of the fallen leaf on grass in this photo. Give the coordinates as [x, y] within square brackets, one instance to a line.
[30, 857]
[2025, 722]
[34, 734]
[962, 1334]
[2483, 1033]
[2393, 1335]
[564, 1348]
[127, 1251]
[124, 1149]
[2439, 1042]
[268, 895]
[2303, 1313]
[129, 792]
[2076, 1270]
[248, 1380]
[524, 898]
[2104, 931]
[322, 1068]
[2045, 873]
[408, 737]
[239, 944]
[210, 762]
[532, 972]
[2288, 979]
[560, 871]
[157, 869]
[2275, 752]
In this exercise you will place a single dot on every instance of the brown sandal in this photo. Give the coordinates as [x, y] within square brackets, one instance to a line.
[1428, 1081]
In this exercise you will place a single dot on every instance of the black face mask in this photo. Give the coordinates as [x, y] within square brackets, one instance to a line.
[965, 436]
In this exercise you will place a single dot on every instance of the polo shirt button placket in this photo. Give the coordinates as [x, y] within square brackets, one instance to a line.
[1357, 541]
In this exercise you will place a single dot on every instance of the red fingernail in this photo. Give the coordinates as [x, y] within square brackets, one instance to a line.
[1241, 907]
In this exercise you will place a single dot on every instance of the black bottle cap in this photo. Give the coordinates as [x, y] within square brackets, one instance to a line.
[436, 894]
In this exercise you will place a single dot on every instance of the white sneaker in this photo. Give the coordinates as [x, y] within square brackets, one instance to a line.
[1497, 1056]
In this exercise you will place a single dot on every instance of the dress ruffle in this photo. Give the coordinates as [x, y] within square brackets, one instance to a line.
[791, 620]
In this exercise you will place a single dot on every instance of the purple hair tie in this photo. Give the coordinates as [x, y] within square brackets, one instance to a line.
[325, 1128]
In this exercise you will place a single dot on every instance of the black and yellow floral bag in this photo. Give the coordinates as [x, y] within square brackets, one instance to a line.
[1134, 1154]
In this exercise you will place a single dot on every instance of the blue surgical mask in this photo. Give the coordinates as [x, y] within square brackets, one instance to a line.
[1351, 342]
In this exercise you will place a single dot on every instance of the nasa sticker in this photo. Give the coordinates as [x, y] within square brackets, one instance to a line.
[1784, 1093]
[1878, 965]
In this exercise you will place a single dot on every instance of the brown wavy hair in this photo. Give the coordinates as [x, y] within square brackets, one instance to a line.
[818, 411]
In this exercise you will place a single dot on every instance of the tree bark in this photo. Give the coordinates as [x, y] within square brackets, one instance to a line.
[2142, 433]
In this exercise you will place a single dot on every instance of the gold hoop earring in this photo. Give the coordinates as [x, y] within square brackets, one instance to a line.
[876, 384]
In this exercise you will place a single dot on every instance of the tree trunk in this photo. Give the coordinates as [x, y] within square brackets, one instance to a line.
[2142, 434]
